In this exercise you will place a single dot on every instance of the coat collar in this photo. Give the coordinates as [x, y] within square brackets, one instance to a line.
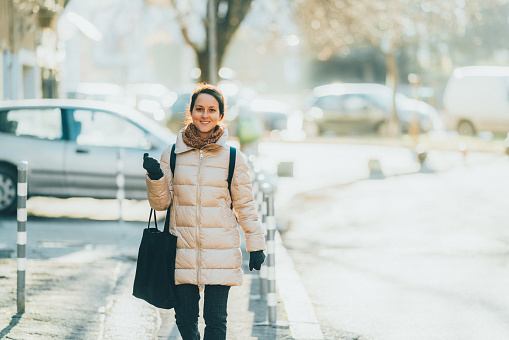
[181, 147]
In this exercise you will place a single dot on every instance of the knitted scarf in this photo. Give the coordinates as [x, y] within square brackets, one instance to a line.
[191, 137]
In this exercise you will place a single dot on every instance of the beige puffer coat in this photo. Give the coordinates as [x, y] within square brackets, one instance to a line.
[208, 246]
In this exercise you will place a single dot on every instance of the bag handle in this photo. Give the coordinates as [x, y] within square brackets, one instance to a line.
[231, 169]
[150, 217]
[167, 220]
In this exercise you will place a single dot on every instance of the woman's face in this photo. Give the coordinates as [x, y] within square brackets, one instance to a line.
[205, 114]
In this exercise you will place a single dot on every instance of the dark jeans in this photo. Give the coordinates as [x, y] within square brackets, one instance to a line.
[214, 311]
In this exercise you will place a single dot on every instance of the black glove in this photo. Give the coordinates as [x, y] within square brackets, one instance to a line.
[152, 166]
[256, 259]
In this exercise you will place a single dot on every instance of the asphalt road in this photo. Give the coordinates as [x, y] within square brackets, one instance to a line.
[416, 256]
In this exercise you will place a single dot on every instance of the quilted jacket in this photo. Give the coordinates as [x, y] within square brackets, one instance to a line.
[208, 246]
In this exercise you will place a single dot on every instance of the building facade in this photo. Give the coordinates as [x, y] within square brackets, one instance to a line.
[29, 55]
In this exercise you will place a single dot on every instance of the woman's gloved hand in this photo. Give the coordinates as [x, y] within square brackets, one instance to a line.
[152, 166]
[256, 258]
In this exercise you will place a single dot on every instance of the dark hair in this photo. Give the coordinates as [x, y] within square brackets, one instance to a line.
[207, 89]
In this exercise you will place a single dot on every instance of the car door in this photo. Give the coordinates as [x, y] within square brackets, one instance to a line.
[103, 143]
[332, 117]
[36, 135]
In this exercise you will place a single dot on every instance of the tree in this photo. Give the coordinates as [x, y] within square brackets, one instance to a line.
[193, 18]
[389, 25]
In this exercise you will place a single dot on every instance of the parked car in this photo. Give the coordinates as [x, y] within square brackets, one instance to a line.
[476, 98]
[357, 108]
[409, 109]
[263, 115]
[72, 148]
[274, 113]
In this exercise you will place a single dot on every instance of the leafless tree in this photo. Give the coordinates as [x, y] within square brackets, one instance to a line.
[192, 17]
[389, 25]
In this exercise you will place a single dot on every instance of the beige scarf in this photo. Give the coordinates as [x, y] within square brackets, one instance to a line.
[191, 137]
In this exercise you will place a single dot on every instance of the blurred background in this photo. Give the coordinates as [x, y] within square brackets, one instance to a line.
[269, 56]
[380, 125]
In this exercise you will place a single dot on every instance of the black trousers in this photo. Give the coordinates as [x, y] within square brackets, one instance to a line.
[214, 311]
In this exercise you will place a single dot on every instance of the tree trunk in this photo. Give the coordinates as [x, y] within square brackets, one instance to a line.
[202, 58]
[226, 26]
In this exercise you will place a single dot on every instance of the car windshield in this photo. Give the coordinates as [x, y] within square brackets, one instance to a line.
[152, 126]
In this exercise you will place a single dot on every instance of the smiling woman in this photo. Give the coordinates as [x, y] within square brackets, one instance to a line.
[206, 114]
[204, 117]
[200, 191]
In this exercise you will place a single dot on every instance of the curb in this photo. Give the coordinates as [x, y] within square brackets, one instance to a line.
[298, 307]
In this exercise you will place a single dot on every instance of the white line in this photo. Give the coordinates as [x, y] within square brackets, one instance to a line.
[271, 222]
[22, 189]
[271, 247]
[272, 274]
[22, 214]
[22, 237]
[298, 307]
[272, 299]
[22, 264]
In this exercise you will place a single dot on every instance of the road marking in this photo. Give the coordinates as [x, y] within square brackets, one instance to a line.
[298, 307]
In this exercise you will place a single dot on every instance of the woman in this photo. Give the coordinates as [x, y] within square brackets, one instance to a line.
[208, 246]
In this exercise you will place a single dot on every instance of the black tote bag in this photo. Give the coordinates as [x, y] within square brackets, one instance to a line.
[154, 280]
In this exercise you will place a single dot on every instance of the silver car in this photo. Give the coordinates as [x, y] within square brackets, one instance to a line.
[355, 108]
[75, 148]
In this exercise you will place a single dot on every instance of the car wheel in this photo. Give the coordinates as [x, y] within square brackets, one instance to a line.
[466, 128]
[8, 191]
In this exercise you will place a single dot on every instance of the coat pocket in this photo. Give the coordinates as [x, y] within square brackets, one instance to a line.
[229, 220]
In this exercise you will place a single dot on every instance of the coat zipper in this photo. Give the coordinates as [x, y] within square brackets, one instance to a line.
[198, 203]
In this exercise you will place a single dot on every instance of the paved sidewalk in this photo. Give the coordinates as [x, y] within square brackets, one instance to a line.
[85, 292]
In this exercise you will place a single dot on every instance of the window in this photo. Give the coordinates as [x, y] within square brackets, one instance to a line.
[39, 123]
[329, 103]
[354, 103]
[101, 128]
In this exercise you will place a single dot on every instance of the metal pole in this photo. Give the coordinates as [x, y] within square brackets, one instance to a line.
[263, 270]
[271, 259]
[212, 43]
[22, 235]
[120, 183]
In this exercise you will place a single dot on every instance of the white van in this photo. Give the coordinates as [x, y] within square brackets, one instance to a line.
[476, 98]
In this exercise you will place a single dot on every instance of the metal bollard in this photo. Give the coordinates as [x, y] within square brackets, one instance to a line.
[22, 234]
[263, 270]
[261, 207]
[120, 184]
[271, 259]
[462, 146]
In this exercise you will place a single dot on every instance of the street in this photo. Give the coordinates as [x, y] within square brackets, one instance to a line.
[375, 135]
[420, 256]
[411, 255]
